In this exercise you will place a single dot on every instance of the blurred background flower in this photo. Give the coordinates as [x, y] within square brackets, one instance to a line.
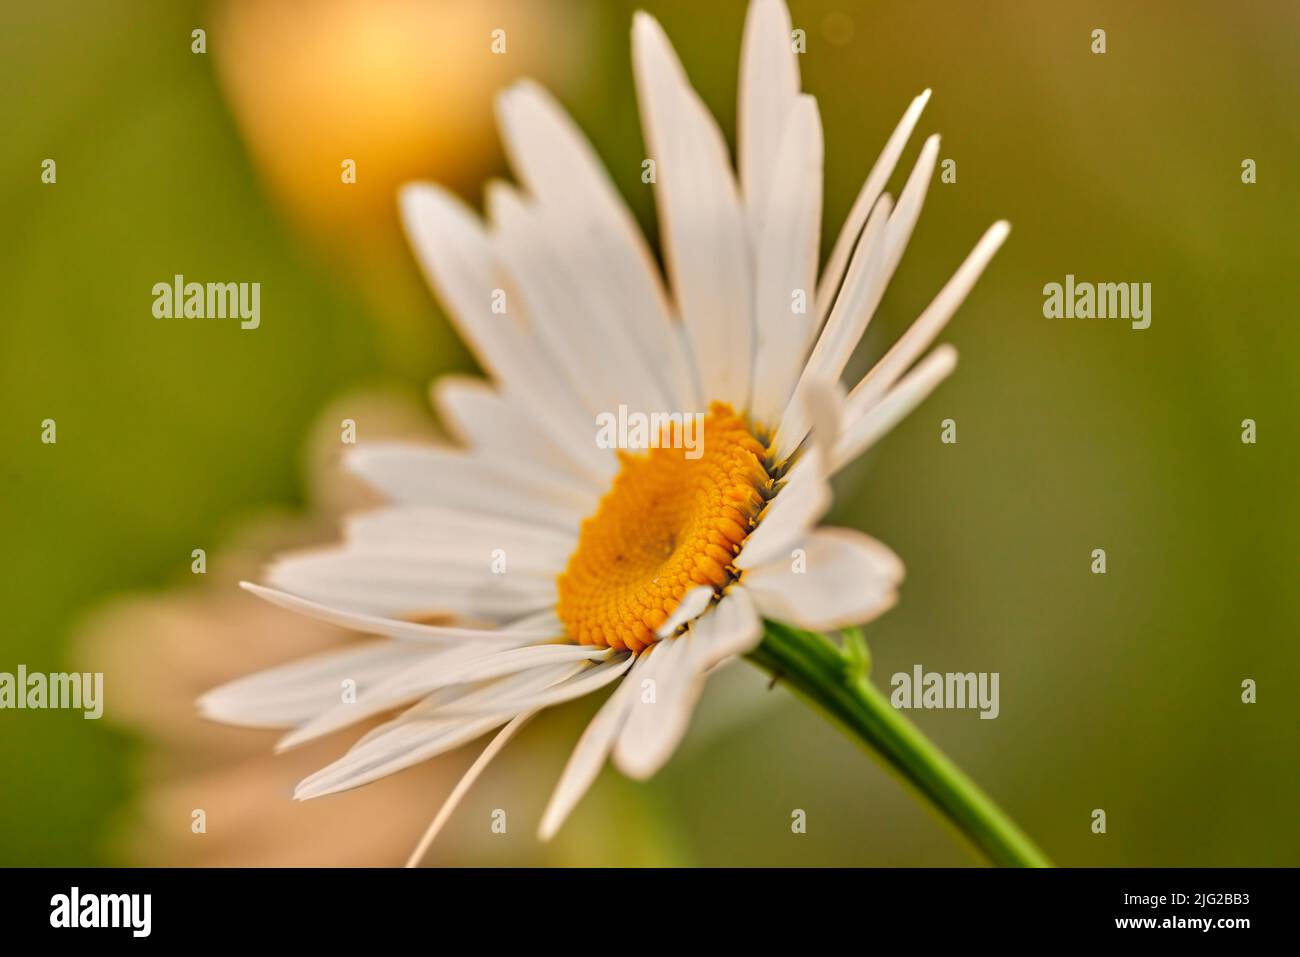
[1118, 691]
[159, 652]
[401, 88]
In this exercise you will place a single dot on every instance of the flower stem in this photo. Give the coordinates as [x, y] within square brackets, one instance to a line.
[835, 680]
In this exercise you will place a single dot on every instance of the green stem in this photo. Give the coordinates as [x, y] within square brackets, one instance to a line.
[835, 680]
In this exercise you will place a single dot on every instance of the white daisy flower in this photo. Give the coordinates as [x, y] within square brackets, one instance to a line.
[642, 570]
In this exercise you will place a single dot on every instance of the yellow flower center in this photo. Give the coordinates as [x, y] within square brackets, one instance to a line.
[674, 518]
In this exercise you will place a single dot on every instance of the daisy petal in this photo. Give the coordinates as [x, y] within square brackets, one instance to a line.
[786, 238]
[284, 696]
[701, 220]
[663, 690]
[846, 578]
[733, 628]
[465, 562]
[931, 322]
[908, 210]
[454, 252]
[395, 628]
[437, 528]
[867, 429]
[375, 697]
[457, 257]
[465, 783]
[805, 495]
[692, 605]
[408, 586]
[655, 728]
[456, 666]
[582, 683]
[797, 508]
[769, 86]
[413, 737]
[576, 311]
[833, 274]
[589, 755]
[863, 289]
[430, 475]
[559, 167]
[485, 420]
[389, 755]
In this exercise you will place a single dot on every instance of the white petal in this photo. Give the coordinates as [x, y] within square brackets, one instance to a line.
[833, 274]
[467, 562]
[825, 404]
[733, 628]
[805, 495]
[465, 783]
[654, 729]
[769, 86]
[457, 258]
[692, 605]
[412, 737]
[583, 683]
[554, 160]
[589, 755]
[427, 676]
[376, 697]
[420, 742]
[931, 322]
[874, 262]
[430, 475]
[873, 265]
[407, 586]
[479, 700]
[395, 628]
[860, 434]
[540, 622]
[908, 211]
[848, 578]
[485, 420]
[787, 239]
[284, 696]
[857, 302]
[457, 537]
[455, 253]
[576, 310]
[456, 666]
[705, 239]
[798, 506]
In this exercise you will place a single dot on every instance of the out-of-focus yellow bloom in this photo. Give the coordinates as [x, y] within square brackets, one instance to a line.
[402, 87]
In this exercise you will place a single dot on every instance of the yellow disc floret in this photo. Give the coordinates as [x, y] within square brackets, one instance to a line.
[673, 519]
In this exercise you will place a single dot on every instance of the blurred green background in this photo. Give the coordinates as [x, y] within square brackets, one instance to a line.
[1119, 692]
